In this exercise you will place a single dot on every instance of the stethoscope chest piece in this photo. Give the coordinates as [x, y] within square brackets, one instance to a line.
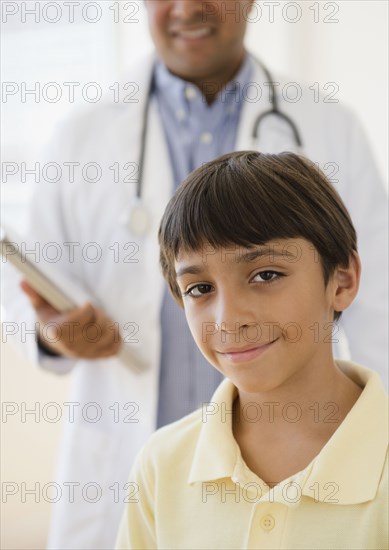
[139, 218]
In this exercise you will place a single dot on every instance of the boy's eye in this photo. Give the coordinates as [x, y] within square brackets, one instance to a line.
[267, 276]
[198, 290]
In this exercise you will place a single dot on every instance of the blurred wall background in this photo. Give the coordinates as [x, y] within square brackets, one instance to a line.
[343, 42]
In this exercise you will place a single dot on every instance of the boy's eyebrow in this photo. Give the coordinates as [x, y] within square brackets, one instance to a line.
[246, 257]
[191, 269]
[267, 251]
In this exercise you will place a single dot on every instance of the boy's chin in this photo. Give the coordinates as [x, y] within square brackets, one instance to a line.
[257, 385]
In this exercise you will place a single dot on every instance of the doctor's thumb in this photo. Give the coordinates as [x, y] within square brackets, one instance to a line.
[36, 299]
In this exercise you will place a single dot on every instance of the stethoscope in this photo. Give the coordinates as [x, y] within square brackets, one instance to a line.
[137, 217]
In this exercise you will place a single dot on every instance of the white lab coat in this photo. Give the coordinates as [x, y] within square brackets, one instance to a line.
[101, 452]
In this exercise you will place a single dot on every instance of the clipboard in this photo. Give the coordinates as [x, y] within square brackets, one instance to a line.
[11, 251]
[63, 294]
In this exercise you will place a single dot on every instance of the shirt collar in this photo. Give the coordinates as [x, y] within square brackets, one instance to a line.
[352, 460]
[176, 90]
[216, 450]
[354, 456]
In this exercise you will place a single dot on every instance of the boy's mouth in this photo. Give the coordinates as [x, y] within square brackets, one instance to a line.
[247, 353]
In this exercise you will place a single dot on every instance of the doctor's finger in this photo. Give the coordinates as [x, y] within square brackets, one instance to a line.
[36, 300]
[104, 347]
[76, 326]
[108, 329]
[103, 338]
[89, 334]
[69, 328]
[72, 323]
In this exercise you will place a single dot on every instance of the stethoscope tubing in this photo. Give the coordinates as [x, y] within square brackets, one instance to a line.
[140, 227]
[274, 111]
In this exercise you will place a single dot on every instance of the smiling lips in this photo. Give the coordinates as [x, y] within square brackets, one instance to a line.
[192, 34]
[246, 354]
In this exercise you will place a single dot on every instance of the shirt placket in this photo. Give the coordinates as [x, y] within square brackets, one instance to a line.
[269, 511]
[267, 525]
[205, 124]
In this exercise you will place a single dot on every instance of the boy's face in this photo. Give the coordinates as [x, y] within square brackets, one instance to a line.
[198, 39]
[262, 315]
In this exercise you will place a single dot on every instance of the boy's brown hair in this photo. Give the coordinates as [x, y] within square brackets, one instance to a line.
[249, 198]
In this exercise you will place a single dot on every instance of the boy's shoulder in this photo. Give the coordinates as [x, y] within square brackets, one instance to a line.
[180, 434]
[168, 453]
[176, 443]
[364, 377]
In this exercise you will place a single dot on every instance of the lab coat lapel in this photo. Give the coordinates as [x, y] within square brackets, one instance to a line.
[157, 187]
[157, 190]
[158, 175]
[157, 180]
[132, 123]
[251, 110]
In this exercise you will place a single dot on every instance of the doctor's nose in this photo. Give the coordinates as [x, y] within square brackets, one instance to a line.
[189, 11]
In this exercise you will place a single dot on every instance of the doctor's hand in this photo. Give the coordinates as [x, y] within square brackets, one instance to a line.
[84, 332]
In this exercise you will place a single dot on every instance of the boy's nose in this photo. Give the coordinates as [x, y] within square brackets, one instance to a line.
[234, 313]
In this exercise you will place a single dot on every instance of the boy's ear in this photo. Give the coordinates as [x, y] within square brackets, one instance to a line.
[346, 283]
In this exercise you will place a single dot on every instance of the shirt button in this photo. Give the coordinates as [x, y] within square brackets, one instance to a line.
[180, 114]
[206, 138]
[190, 93]
[267, 522]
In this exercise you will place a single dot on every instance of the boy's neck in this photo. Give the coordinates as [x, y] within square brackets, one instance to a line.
[280, 432]
[324, 383]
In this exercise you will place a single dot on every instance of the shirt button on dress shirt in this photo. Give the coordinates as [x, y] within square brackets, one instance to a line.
[190, 93]
[206, 138]
[180, 115]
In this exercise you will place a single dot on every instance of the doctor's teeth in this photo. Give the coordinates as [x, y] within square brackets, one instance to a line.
[198, 33]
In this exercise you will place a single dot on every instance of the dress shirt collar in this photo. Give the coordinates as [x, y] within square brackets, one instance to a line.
[178, 93]
[352, 459]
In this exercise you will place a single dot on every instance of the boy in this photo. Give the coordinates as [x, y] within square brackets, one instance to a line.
[291, 452]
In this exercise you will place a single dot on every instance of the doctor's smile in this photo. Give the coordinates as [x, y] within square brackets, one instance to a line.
[191, 33]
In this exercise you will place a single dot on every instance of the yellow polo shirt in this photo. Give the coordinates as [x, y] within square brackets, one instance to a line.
[190, 487]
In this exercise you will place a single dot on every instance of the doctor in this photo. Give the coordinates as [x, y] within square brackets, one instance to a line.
[194, 103]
